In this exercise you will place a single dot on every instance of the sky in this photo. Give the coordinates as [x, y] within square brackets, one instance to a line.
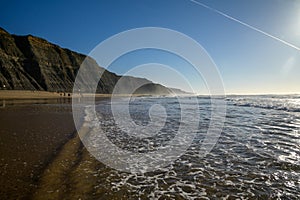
[253, 43]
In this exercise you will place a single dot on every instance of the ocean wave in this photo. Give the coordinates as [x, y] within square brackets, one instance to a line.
[284, 103]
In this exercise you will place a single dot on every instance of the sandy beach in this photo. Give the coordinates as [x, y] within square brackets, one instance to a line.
[27, 94]
[42, 156]
[31, 135]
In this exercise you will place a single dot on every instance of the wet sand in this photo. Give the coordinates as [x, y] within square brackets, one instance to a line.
[31, 136]
[41, 154]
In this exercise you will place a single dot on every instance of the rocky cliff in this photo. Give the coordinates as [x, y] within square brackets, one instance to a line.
[32, 63]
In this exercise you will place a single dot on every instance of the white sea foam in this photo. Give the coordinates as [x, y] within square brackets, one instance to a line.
[286, 103]
[257, 154]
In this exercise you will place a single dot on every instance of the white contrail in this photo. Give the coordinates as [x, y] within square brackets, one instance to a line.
[247, 25]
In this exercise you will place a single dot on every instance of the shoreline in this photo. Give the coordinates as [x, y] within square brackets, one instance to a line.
[34, 94]
[27, 94]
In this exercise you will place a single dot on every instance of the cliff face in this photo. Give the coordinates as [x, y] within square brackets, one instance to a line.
[32, 63]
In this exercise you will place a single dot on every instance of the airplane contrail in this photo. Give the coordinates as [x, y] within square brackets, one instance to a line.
[247, 25]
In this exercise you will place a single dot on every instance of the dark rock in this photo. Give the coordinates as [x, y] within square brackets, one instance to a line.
[32, 63]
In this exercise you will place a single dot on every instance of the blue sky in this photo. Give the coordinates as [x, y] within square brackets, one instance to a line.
[249, 61]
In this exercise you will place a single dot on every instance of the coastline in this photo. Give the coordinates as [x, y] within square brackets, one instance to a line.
[27, 94]
[34, 94]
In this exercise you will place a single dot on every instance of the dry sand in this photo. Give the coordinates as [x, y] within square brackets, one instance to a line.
[25, 94]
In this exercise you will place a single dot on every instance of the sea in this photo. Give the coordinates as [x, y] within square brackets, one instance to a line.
[255, 156]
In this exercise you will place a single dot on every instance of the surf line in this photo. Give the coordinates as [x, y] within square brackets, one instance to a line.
[245, 24]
